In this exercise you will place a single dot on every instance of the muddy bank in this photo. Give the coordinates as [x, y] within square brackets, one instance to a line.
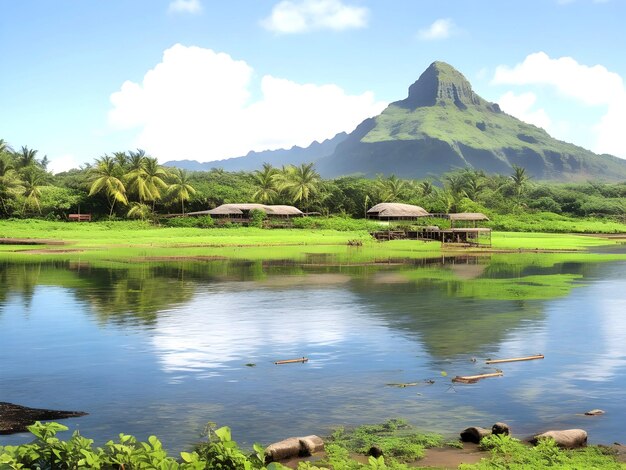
[30, 241]
[16, 418]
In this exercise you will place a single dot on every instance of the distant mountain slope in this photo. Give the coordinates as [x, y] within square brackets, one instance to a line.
[443, 125]
[254, 160]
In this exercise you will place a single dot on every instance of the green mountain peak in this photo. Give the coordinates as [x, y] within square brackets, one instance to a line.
[444, 125]
[441, 84]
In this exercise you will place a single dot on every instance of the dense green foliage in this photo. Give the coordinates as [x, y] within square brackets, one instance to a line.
[510, 453]
[49, 452]
[133, 185]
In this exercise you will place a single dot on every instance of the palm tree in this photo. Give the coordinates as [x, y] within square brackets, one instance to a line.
[390, 188]
[26, 157]
[32, 182]
[147, 179]
[10, 183]
[139, 210]
[121, 159]
[5, 147]
[520, 179]
[180, 189]
[106, 176]
[155, 176]
[136, 160]
[426, 187]
[301, 182]
[455, 183]
[265, 181]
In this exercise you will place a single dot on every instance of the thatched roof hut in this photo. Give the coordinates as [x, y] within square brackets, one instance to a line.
[466, 219]
[243, 210]
[396, 211]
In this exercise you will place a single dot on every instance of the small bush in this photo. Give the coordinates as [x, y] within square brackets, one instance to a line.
[189, 222]
[257, 217]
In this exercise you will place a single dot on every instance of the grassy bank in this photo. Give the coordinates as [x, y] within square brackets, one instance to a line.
[141, 241]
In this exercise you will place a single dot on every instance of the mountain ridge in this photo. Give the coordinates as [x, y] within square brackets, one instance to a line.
[254, 160]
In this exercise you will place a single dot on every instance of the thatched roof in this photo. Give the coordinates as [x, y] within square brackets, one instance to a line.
[396, 210]
[471, 216]
[239, 209]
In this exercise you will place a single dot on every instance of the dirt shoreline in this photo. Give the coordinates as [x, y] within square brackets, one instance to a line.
[17, 418]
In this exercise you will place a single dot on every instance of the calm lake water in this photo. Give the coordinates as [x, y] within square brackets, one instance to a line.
[165, 348]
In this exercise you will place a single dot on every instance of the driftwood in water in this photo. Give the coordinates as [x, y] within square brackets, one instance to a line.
[470, 379]
[291, 361]
[514, 359]
[474, 434]
[16, 418]
[403, 385]
[294, 447]
[567, 439]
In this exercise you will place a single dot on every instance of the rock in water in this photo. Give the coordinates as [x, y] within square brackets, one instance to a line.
[309, 445]
[16, 418]
[501, 428]
[567, 439]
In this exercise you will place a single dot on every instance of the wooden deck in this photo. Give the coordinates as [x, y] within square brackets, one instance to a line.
[474, 236]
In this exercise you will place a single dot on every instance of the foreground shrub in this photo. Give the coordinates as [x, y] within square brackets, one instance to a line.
[49, 452]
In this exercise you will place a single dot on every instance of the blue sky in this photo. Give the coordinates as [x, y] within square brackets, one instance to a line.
[207, 79]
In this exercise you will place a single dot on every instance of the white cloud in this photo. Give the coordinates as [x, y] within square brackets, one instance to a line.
[520, 107]
[185, 6]
[63, 163]
[586, 85]
[291, 17]
[196, 104]
[441, 29]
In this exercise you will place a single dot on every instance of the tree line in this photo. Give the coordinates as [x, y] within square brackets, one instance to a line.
[132, 184]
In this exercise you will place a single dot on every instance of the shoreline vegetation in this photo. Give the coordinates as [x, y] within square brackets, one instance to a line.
[391, 445]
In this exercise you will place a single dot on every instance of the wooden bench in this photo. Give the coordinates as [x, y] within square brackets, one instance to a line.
[79, 217]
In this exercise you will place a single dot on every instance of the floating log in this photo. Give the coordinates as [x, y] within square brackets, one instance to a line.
[470, 379]
[291, 361]
[514, 359]
[567, 439]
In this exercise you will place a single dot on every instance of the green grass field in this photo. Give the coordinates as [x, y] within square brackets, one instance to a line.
[137, 241]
